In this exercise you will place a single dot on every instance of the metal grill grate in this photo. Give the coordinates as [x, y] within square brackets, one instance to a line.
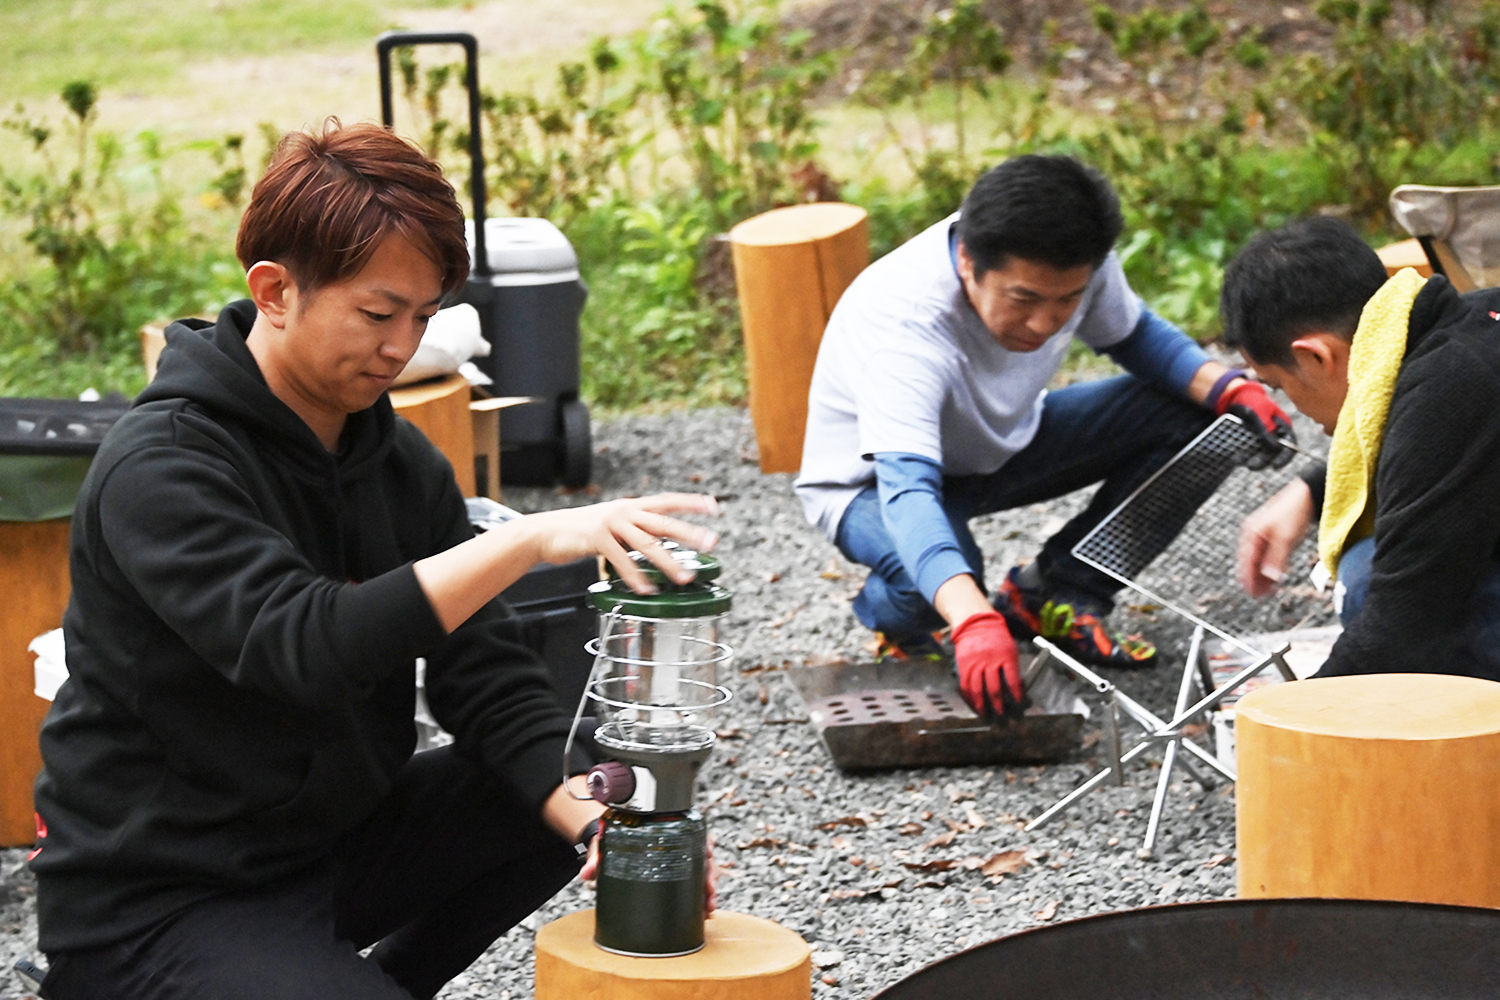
[1142, 527]
[1173, 539]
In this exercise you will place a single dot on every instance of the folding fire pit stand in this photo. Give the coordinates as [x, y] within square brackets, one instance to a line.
[1122, 545]
[1169, 733]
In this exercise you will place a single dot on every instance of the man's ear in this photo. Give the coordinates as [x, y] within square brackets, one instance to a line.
[965, 262]
[1322, 355]
[272, 289]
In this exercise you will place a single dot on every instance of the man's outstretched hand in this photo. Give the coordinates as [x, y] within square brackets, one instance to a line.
[989, 672]
[1250, 402]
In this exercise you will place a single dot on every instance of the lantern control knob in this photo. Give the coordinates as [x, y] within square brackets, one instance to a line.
[611, 783]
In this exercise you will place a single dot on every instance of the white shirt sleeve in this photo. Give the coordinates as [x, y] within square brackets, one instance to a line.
[900, 402]
[1111, 309]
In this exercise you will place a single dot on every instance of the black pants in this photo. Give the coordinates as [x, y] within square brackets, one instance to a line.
[449, 862]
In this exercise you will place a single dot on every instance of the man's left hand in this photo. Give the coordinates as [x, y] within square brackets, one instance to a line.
[1252, 404]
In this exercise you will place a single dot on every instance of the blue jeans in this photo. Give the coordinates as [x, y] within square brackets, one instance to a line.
[1481, 637]
[1115, 432]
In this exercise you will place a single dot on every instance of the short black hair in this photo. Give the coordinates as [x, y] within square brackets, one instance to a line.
[1312, 275]
[1049, 209]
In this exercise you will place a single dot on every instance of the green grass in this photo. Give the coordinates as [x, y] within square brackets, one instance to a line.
[142, 44]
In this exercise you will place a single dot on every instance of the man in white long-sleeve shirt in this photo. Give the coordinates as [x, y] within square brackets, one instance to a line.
[929, 407]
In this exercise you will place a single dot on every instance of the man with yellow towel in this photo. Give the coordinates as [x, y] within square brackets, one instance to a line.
[1405, 374]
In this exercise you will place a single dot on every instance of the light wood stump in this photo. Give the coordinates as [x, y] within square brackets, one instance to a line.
[1379, 786]
[743, 958]
[35, 581]
[790, 267]
[440, 409]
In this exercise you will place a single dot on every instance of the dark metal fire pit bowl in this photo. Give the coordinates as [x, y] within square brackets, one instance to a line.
[1266, 949]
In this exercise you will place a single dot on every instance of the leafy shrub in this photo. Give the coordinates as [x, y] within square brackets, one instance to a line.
[104, 249]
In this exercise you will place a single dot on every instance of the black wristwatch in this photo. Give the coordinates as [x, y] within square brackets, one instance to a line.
[587, 837]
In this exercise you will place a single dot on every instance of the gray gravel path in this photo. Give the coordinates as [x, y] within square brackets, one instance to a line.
[879, 873]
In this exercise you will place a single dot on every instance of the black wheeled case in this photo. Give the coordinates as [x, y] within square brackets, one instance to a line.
[525, 285]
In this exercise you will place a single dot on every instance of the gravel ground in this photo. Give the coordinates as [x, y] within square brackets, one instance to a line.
[880, 873]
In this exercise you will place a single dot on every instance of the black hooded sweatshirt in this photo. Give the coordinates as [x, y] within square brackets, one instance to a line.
[1437, 495]
[241, 642]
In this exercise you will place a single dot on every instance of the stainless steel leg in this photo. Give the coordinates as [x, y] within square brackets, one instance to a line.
[1169, 753]
[1163, 782]
[1112, 714]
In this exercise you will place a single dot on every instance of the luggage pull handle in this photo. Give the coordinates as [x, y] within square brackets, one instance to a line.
[393, 39]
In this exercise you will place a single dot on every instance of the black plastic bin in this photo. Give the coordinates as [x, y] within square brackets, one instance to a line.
[525, 286]
[556, 621]
[46, 447]
[552, 603]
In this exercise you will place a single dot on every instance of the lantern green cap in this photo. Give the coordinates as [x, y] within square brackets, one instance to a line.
[700, 598]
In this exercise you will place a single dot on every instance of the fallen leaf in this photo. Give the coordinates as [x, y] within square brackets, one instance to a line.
[956, 794]
[842, 821]
[842, 843]
[972, 863]
[893, 883]
[1005, 863]
[824, 660]
[941, 840]
[848, 894]
[1047, 912]
[772, 577]
[732, 733]
[955, 825]
[1216, 860]
[832, 572]
[935, 865]
[910, 829]
[746, 845]
[976, 821]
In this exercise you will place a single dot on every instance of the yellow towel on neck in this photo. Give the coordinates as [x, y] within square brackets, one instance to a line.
[1374, 360]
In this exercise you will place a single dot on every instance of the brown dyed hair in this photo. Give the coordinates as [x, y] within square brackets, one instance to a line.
[327, 201]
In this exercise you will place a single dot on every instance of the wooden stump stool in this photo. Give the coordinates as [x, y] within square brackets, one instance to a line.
[744, 958]
[440, 409]
[35, 581]
[1380, 786]
[790, 267]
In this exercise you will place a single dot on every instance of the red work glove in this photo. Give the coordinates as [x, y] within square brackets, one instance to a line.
[989, 673]
[1250, 402]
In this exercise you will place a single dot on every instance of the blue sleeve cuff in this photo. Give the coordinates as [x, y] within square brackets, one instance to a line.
[1159, 353]
[911, 504]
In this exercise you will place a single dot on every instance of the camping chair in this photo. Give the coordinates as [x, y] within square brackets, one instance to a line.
[1170, 522]
[1459, 229]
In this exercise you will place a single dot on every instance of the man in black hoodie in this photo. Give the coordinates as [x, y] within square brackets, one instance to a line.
[230, 806]
[1420, 580]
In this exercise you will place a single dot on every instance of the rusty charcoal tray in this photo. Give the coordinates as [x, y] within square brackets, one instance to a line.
[905, 713]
